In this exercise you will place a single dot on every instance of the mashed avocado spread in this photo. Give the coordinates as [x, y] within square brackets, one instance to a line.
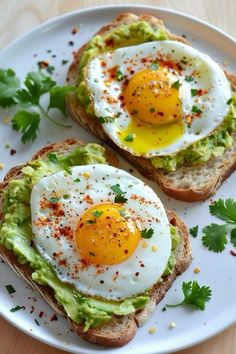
[16, 235]
[140, 32]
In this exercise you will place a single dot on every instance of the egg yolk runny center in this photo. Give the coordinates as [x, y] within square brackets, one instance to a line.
[150, 96]
[106, 234]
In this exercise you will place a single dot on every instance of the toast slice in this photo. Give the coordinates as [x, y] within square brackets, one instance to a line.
[121, 329]
[190, 183]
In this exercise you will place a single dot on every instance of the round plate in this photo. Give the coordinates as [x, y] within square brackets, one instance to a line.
[51, 42]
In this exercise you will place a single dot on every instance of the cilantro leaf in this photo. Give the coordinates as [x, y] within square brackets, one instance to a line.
[119, 75]
[224, 210]
[176, 84]
[154, 66]
[27, 123]
[188, 78]
[38, 84]
[194, 231]
[97, 213]
[233, 237]
[119, 198]
[58, 97]
[90, 222]
[147, 233]
[196, 109]
[214, 237]
[116, 189]
[129, 138]
[9, 84]
[230, 100]
[193, 92]
[194, 295]
[10, 289]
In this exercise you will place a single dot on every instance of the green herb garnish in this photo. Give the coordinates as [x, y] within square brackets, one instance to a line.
[147, 233]
[188, 78]
[196, 109]
[215, 235]
[176, 84]
[97, 213]
[10, 289]
[194, 231]
[193, 92]
[129, 138]
[194, 295]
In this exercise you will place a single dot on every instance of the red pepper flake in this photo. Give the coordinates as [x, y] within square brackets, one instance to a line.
[137, 274]
[12, 152]
[110, 42]
[43, 64]
[32, 309]
[63, 262]
[41, 313]
[233, 253]
[88, 199]
[160, 114]
[75, 30]
[54, 317]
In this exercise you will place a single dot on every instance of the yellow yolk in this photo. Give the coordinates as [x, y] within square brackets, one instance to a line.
[155, 111]
[104, 234]
[150, 96]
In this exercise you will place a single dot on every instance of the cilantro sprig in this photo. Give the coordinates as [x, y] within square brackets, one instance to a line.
[194, 295]
[120, 195]
[215, 235]
[27, 99]
[147, 233]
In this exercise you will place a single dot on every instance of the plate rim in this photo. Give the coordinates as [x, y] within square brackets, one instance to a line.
[121, 7]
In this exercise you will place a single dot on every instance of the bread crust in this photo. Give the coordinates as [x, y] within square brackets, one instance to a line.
[121, 329]
[179, 185]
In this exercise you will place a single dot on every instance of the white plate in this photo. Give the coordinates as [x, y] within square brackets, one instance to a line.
[217, 270]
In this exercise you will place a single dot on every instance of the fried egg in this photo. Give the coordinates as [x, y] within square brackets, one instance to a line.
[102, 230]
[157, 98]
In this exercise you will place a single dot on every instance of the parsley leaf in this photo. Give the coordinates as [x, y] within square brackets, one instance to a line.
[233, 237]
[188, 78]
[119, 198]
[90, 222]
[17, 308]
[9, 84]
[129, 138]
[214, 237]
[107, 119]
[119, 75]
[147, 233]
[230, 100]
[224, 210]
[193, 92]
[154, 66]
[57, 97]
[116, 189]
[196, 109]
[10, 289]
[194, 231]
[176, 84]
[27, 123]
[97, 213]
[194, 295]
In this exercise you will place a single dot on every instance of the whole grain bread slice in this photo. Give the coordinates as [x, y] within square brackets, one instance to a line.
[121, 329]
[190, 183]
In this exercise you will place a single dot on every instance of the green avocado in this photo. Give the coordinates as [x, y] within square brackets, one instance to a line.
[175, 240]
[140, 32]
[16, 235]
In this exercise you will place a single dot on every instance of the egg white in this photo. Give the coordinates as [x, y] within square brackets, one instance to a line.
[206, 73]
[96, 182]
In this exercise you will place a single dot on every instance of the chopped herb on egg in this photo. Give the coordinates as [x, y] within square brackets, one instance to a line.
[54, 200]
[10, 289]
[91, 222]
[64, 62]
[97, 213]
[50, 69]
[188, 78]
[119, 198]
[37, 322]
[17, 308]
[66, 196]
[154, 66]
[176, 84]
[77, 180]
[196, 109]
[119, 75]
[147, 233]
[194, 231]
[107, 119]
[124, 214]
[229, 101]
[129, 138]
[152, 110]
[193, 92]
[184, 61]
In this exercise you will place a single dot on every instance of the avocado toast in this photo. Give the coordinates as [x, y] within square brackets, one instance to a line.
[105, 327]
[193, 174]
